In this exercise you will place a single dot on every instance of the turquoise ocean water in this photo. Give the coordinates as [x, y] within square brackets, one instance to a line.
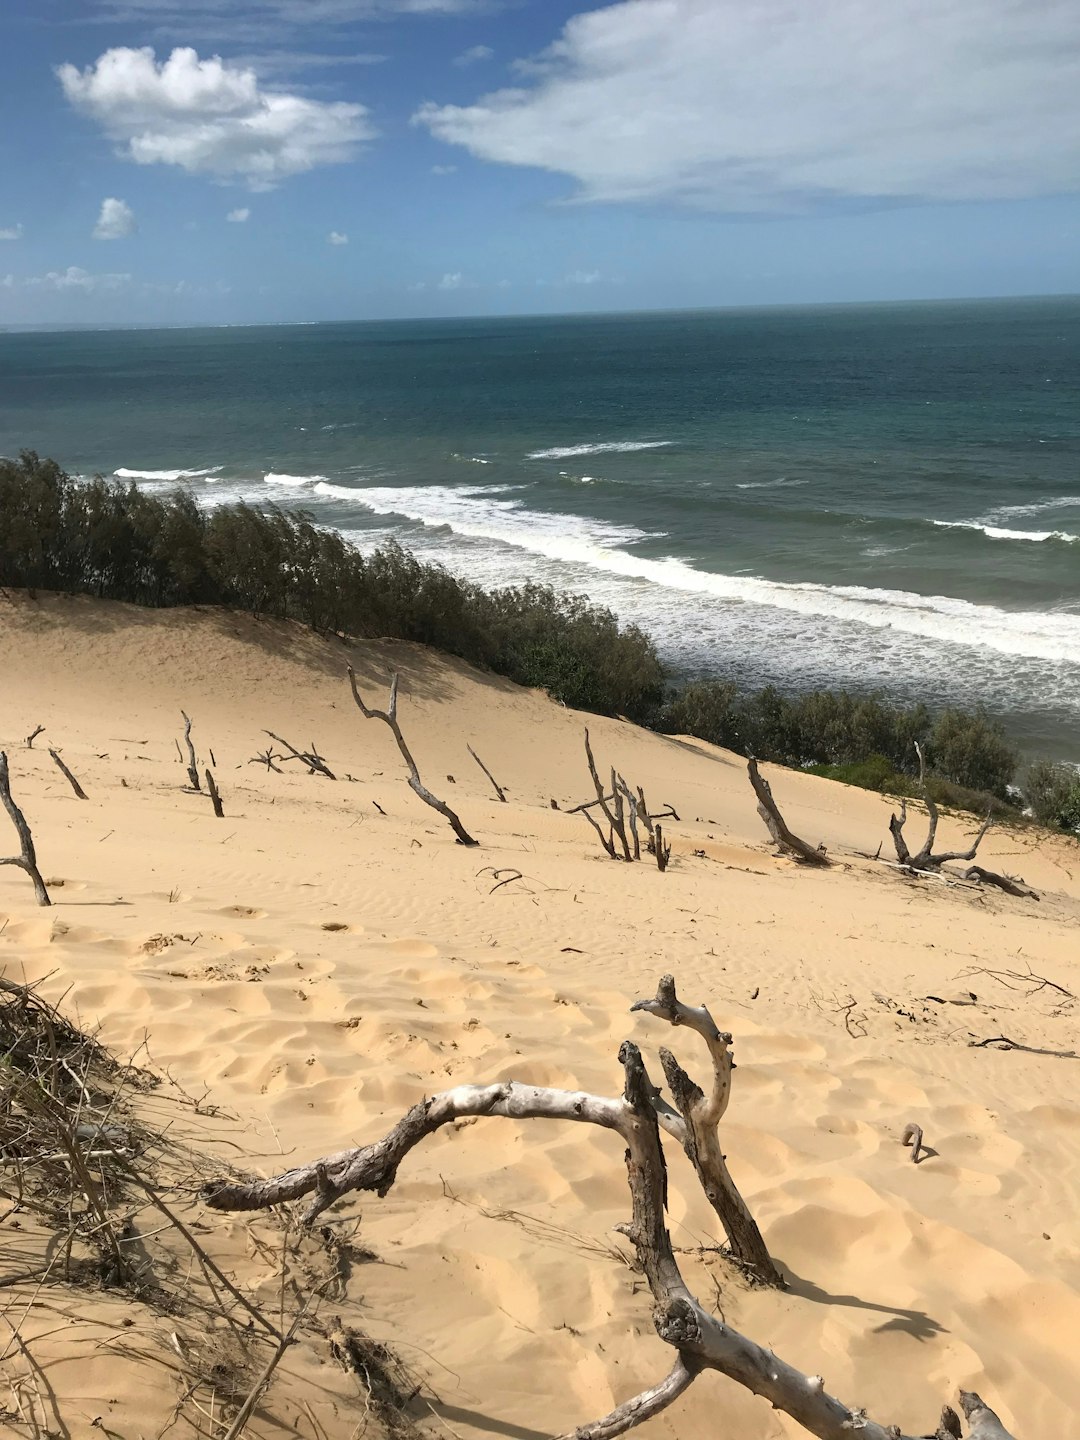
[877, 497]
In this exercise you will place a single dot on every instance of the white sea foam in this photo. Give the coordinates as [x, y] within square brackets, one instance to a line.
[614, 447]
[781, 483]
[599, 547]
[1059, 502]
[274, 478]
[995, 532]
[125, 474]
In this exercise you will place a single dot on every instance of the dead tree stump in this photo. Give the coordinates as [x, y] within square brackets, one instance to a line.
[27, 857]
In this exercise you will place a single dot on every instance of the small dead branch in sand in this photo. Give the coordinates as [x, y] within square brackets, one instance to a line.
[1025, 980]
[501, 877]
[192, 762]
[1002, 1042]
[499, 791]
[623, 809]
[68, 776]
[311, 758]
[269, 759]
[27, 856]
[913, 1136]
[661, 848]
[416, 785]
[215, 795]
[777, 826]
[389, 1388]
[700, 1340]
[38, 730]
[926, 861]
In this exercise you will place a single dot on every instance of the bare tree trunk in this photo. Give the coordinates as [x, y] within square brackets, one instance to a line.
[661, 848]
[215, 795]
[27, 857]
[68, 776]
[702, 1342]
[193, 764]
[38, 730]
[695, 1128]
[787, 840]
[498, 788]
[389, 717]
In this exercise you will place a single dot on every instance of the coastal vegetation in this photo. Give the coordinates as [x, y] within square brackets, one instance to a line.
[115, 541]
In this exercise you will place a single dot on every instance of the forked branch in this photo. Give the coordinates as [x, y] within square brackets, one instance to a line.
[27, 856]
[701, 1341]
[389, 717]
[777, 826]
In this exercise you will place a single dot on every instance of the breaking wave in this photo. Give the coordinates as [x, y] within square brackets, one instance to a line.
[614, 447]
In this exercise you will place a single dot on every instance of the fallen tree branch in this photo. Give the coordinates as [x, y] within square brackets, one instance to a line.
[925, 860]
[27, 857]
[1002, 1042]
[1007, 883]
[498, 788]
[702, 1342]
[777, 826]
[311, 758]
[416, 785]
[913, 1136]
[68, 776]
[193, 764]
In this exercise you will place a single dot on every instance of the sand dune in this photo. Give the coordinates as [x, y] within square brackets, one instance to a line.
[319, 966]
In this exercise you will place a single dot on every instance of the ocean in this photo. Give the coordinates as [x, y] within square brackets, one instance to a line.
[884, 498]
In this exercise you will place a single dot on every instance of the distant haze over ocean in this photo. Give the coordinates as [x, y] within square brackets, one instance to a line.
[869, 497]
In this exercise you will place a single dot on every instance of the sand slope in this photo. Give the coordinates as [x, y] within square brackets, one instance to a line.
[319, 966]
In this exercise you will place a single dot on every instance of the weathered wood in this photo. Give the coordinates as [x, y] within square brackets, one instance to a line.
[499, 791]
[701, 1341]
[215, 795]
[26, 859]
[913, 1136]
[193, 764]
[311, 758]
[389, 717]
[777, 826]
[661, 848]
[695, 1128]
[68, 776]
[37, 730]
[1010, 884]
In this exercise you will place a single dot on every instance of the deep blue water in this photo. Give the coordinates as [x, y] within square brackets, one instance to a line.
[880, 497]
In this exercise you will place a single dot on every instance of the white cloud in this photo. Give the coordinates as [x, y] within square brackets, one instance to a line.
[11, 232]
[757, 105]
[337, 237]
[583, 277]
[210, 117]
[444, 169]
[116, 220]
[238, 216]
[454, 280]
[474, 55]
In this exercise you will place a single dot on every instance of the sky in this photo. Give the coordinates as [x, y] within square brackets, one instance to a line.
[248, 161]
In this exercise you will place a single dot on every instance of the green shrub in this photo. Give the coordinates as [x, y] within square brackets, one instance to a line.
[1053, 794]
[971, 751]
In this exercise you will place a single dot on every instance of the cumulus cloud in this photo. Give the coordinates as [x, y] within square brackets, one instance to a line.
[759, 105]
[116, 220]
[78, 279]
[238, 216]
[337, 237]
[455, 280]
[444, 169]
[11, 232]
[474, 55]
[210, 117]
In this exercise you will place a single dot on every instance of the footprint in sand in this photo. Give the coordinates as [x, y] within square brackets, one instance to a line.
[242, 912]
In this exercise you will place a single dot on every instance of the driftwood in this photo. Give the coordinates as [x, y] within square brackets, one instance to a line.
[27, 856]
[193, 764]
[700, 1340]
[1010, 884]
[499, 791]
[777, 826]
[215, 795]
[267, 758]
[660, 847]
[694, 1124]
[624, 810]
[311, 758]
[913, 1136]
[37, 730]
[68, 776]
[416, 785]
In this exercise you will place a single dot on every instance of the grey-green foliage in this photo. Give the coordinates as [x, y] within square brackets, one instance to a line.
[1053, 793]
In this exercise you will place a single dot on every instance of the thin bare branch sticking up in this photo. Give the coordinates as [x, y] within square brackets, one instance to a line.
[777, 826]
[311, 758]
[68, 776]
[215, 795]
[694, 1121]
[193, 764]
[701, 1341]
[389, 717]
[27, 856]
[37, 730]
[499, 791]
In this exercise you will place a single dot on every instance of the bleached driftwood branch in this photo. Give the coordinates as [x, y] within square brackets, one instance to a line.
[499, 791]
[694, 1124]
[193, 764]
[311, 758]
[68, 776]
[389, 717]
[27, 856]
[701, 1340]
[777, 826]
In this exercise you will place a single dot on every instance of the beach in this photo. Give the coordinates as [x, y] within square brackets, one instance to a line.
[325, 955]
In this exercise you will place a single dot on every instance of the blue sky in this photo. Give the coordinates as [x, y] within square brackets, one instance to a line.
[384, 158]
